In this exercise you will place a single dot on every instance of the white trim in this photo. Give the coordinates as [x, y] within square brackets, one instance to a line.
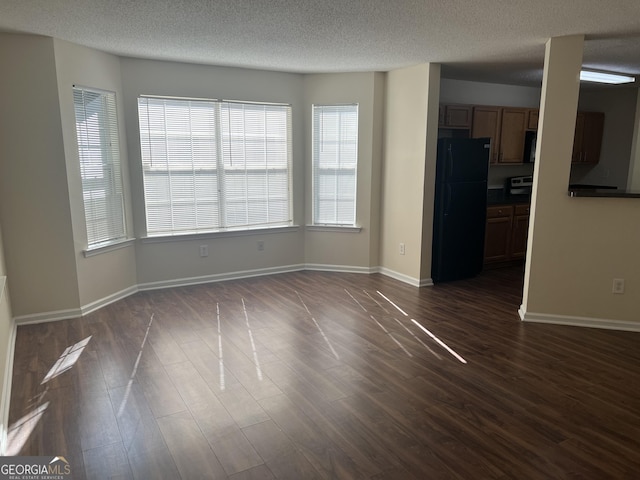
[400, 276]
[219, 277]
[48, 316]
[333, 228]
[320, 267]
[103, 302]
[426, 282]
[575, 321]
[180, 237]
[5, 400]
[91, 251]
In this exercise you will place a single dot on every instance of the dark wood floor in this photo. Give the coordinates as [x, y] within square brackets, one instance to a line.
[318, 375]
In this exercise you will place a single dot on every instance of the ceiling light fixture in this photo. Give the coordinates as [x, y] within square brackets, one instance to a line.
[603, 77]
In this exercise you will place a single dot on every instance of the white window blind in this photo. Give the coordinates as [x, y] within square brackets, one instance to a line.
[99, 152]
[335, 161]
[212, 165]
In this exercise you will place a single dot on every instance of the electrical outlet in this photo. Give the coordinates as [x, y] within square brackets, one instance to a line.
[618, 285]
[260, 245]
[402, 249]
[204, 250]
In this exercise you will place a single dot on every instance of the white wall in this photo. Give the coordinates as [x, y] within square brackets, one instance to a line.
[77, 65]
[619, 107]
[480, 93]
[577, 246]
[162, 262]
[35, 211]
[403, 178]
[334, 247]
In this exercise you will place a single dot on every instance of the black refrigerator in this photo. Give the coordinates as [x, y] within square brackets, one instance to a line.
[460, 210]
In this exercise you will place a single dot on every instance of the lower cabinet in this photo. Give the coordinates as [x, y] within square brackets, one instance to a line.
[506, 233]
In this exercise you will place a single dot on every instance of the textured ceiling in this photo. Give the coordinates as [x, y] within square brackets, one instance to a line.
[486, 40]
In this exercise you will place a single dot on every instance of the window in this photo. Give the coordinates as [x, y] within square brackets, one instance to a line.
[99, 152]
[335, 161]
[212, 165]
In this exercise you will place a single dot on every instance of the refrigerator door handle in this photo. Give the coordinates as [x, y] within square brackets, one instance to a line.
[448, 202]
[450, 161]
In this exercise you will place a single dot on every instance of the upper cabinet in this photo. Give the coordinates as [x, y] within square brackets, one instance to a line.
[455, 116]
[486, 124]
[532, 119]
[506, 126]
[514, 125]
[588, 138]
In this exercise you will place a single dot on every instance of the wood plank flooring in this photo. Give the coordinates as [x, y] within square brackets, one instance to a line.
[328, 375]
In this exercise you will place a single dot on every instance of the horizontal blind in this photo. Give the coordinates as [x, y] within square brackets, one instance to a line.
[335, 161]
[100, 171]
[211, 165]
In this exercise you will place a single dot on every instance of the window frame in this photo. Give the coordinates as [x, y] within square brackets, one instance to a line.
[317, 144]
[107, 132]
[218, 165]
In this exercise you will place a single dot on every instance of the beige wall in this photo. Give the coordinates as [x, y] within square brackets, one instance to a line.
[342, 248]
[107, 273]
[482, 93]
[35, 212]
[576, 245]
[166, 261]
[619, 107]
[405, 150]
[431, 154]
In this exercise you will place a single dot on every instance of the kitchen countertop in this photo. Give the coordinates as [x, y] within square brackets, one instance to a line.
[497, 196]
[603, 193]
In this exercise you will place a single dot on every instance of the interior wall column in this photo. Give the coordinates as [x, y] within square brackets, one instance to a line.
[558, 108]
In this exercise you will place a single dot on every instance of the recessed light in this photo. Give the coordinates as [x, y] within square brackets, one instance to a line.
[604, 77]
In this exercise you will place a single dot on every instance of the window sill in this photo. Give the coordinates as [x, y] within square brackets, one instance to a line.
[90, 252]
[333, 228]
[177, 237]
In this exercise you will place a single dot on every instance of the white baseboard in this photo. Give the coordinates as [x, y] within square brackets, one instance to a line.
[183, 282]
[103, 302]
[219, 277]
[401, 277]
[48, 316]
[575, 321]
[5, 398]
[319, 267]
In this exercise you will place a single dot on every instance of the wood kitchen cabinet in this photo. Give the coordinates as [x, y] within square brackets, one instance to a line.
[455, 116]
[497, 239]
[506, 127]
[532, 119]
[519, 231]
[486, 123]
[587, 142]
[506, 233]
[513, 127]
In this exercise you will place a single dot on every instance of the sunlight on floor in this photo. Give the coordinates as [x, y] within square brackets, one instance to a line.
[335, 354]
[419, 325]
[67, 360]
[135, 369]
[220, 355]
[20, 431]
[253, 344]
